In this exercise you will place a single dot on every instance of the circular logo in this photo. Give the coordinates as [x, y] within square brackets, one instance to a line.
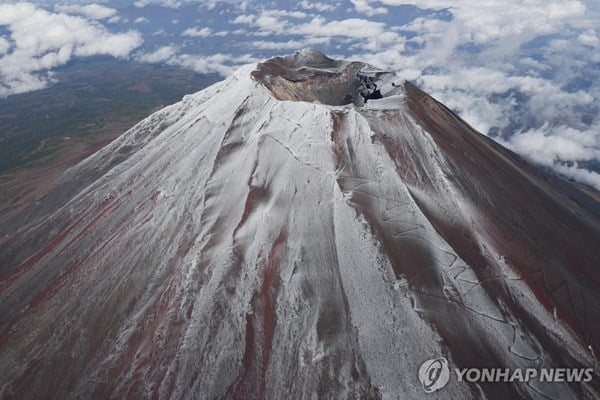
[434, 374]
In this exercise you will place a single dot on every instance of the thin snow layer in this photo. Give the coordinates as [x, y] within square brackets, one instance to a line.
[237, 246]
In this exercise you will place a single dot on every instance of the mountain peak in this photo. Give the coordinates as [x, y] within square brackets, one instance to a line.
[295, 232]
[311, 76]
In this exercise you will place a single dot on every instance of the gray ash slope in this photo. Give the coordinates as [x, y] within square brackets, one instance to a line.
[274, 236]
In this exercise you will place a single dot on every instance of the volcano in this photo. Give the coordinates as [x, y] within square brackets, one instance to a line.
[307, 228]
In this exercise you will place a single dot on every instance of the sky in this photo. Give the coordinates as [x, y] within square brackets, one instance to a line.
[525, 72]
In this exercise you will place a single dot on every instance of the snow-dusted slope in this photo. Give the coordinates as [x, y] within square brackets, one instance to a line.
[261, 239]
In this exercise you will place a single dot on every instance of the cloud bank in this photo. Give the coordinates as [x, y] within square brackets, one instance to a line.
[93, 11]
[220, 63]
[40, 40]
[525, 73]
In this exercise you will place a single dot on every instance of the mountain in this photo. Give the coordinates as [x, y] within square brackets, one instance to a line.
[307, 228]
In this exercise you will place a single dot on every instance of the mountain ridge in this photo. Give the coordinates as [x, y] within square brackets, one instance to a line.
[240, 244]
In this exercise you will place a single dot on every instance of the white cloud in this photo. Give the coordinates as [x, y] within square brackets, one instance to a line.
[545, 146]
[290, 44]
[164, 3]
[171, 4]
[243, 5]
[319, 6]
[269, 23]
[364, 7]
[351, 28]
[141, 20]
[579, 174]
[160, 55]
[93, 11]
[141, 3]
[223, 64]
[115, 19]
[243, 19]
[502, 26]
[4, 46]
[284, 13]
[43, 40]
[195, 32]
[589, 38]
[561, 148]
[210, 4]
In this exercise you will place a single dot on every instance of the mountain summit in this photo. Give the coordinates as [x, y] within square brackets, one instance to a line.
[307, 228]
